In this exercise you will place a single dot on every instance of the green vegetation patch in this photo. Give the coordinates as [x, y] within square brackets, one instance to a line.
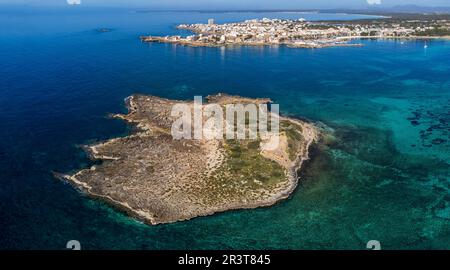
[245, 162]
[294, 137]
[435, 31]
[243, 172]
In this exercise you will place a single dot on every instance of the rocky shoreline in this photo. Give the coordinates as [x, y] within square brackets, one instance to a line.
[156, 39]
[306, 45]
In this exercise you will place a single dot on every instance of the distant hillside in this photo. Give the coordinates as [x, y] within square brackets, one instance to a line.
[420, 9]
[380, 10]
[375, 10]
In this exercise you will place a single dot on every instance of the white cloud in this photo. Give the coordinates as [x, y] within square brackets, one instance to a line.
[374, 2]
[74, 2]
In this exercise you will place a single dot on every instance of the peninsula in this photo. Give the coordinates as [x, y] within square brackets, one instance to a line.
[158, 179]
[303, 34]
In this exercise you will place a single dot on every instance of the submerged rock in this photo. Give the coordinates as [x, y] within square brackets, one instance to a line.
[438, 141]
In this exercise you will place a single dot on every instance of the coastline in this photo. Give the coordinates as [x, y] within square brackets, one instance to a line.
[156, 39]
[399, 38]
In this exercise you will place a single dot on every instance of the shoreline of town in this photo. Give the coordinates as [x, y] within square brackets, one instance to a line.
[298, 33]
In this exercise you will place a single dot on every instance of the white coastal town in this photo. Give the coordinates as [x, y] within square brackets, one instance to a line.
[297, 33]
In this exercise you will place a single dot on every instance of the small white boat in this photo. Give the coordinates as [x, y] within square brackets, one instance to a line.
[425, 46]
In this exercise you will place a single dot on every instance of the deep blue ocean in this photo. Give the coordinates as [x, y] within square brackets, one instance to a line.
[385, 177]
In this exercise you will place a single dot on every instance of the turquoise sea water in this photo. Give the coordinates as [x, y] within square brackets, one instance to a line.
[386, 176]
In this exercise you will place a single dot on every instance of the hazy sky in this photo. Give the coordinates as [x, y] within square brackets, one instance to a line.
[233, 4]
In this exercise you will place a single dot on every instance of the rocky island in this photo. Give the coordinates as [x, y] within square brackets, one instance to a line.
[158, 179]
[303, 34]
